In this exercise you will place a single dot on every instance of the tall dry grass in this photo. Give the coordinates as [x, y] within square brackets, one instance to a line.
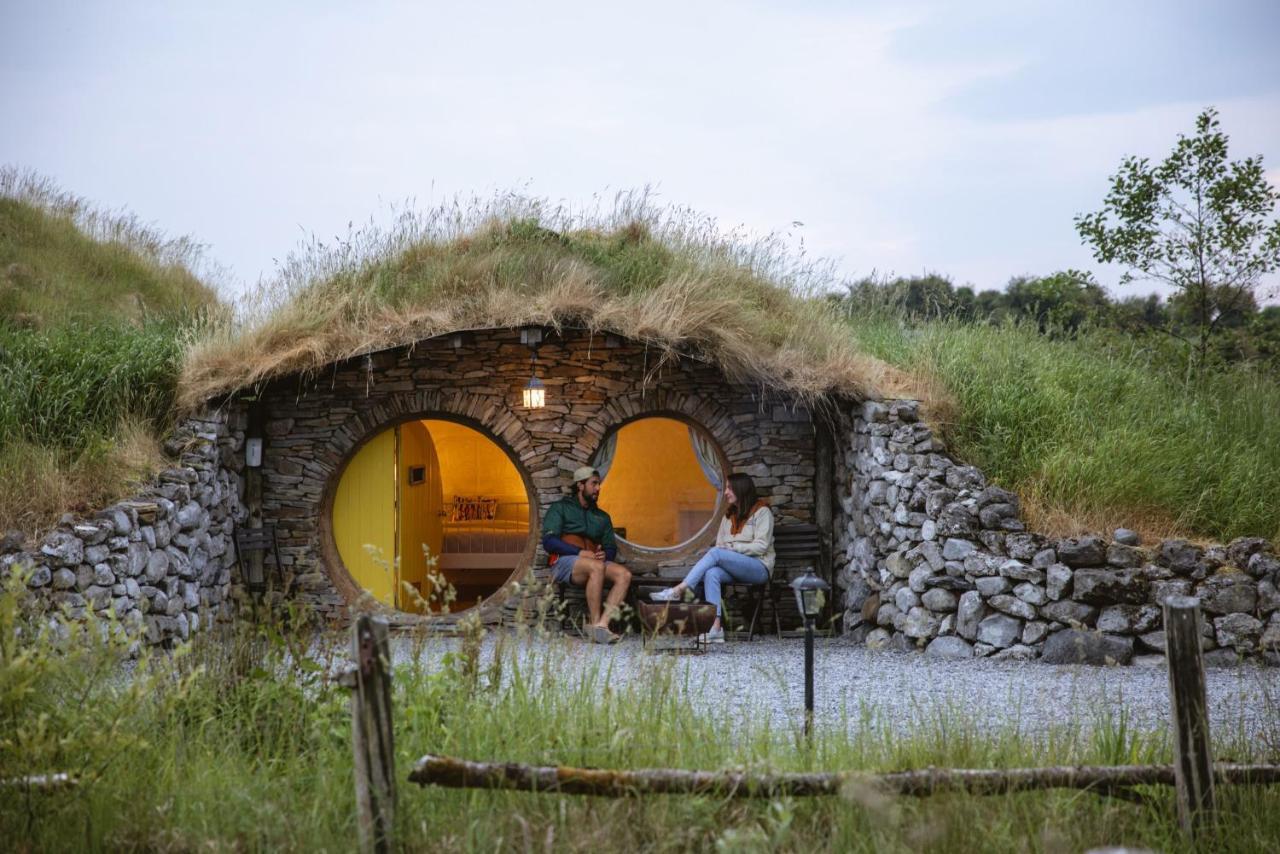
[666, 276]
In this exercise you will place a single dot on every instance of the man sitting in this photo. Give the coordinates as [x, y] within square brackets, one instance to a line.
[579, 540]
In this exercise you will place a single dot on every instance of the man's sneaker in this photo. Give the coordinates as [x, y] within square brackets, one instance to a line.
[712, 636]
[668, 595]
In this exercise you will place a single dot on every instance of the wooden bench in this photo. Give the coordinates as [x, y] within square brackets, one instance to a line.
[796, 546]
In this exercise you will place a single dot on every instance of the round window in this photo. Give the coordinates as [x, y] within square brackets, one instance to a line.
[662, 481]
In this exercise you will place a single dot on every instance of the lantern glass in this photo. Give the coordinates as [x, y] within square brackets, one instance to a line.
[811, 593]
[535, 394]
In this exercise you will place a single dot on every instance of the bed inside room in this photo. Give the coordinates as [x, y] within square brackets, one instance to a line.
[484, 509]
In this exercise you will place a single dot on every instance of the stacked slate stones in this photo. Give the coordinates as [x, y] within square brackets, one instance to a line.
[162, 559]
[932, 557]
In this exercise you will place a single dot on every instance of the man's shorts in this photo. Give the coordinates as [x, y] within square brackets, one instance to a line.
[563, 569]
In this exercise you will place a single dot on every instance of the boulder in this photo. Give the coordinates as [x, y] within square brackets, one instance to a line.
[1068, 612]
[948, 582]
[1024, 546]
[1081, 551]
[1072, 646]
[992, 586]
[1019, 571]
[969, 612]
[1032, 594]
[1238, 631]
[1268, 597]
[1124, 556]
[1161, 591]
[1263, 565]
[1013, 606]
[877, 639]
[1034, 632]
[1241, 549]
[1180, 556]
[1044, 559]
[939, 600]
[1125, 537]
[1017, 652]
[1228, 594]
[918, 579]
[996, 516]
[955, 549]
[966, 477]
[1057, 581]
[1110, 586]
[949, 648]
[920, 623]
[999, 631]
[957, 520]
[906, 599]
[65, 548]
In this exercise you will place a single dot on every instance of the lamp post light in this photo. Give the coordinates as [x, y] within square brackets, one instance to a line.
[811, 595]
[535, 393]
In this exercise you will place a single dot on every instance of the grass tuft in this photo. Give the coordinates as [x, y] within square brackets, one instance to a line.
[668, 277]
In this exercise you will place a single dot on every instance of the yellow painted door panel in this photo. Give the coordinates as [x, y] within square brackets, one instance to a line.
[421, 500]
[364, 514]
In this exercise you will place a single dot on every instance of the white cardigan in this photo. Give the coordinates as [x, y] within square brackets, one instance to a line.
[755, 539]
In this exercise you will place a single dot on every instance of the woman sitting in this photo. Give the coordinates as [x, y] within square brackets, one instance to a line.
[743, 552]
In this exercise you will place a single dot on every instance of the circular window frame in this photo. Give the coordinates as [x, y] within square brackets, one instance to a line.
[346, 584]
[705, 534]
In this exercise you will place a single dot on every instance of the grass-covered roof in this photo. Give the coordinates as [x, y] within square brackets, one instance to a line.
[666, 277]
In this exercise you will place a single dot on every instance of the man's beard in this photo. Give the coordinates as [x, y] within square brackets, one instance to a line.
[588, 500]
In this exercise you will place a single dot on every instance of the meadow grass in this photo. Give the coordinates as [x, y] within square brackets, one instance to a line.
[240, 741]
[95, 312]
[1096, 433]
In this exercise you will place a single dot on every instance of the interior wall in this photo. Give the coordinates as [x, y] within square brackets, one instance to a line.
[472, 465]
[655, 488]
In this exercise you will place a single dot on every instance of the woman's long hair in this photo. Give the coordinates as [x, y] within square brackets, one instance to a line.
[744, 488]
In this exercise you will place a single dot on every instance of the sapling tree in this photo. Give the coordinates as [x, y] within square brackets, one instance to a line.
[1198, 221]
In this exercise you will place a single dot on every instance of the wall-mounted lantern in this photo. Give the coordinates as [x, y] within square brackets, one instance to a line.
[535, 393]
[253, 452]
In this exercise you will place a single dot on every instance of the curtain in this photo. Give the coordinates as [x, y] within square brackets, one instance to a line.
[604, 457]
[707, 459]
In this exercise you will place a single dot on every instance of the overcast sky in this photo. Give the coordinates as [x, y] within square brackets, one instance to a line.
[907, 137]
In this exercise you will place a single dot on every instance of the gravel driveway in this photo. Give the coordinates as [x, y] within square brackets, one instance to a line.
[901, 688]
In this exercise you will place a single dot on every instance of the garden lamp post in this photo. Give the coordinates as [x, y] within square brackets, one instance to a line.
[811, 595]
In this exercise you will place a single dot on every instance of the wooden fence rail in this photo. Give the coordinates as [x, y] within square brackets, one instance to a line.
[555, 779]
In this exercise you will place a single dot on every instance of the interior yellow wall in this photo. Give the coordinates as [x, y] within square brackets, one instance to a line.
[471, 464]
[654, 475]
[420, 506]
[364, 514]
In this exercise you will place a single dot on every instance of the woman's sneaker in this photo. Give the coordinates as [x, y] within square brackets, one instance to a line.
[668, 595]
[712, 636]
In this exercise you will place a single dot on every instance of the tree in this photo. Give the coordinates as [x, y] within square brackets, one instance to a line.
[1197, 221]
[1061, 302]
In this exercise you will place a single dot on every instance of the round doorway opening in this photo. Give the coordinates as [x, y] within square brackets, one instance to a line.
[431, 515]
[661, 481]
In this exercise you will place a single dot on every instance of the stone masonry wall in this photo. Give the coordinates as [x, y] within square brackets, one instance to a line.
[594, 384]
[930, 556]
[163, 558]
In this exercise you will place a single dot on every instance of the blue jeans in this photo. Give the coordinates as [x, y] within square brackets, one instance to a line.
[721, 566]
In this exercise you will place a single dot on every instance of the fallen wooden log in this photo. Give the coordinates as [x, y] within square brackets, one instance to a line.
[45, 782]
[463, 774]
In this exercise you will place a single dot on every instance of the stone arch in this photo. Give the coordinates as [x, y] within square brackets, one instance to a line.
[484, 414]
[705, 413]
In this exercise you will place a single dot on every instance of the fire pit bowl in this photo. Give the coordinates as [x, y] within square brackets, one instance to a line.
[679, 619]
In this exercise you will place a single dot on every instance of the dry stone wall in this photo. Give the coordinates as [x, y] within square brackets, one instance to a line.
[163, 558]
[932, 557]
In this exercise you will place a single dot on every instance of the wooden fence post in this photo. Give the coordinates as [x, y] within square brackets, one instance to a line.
[1192, 761]
[371, 735]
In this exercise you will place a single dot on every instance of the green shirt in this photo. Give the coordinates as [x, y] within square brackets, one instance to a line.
[567, 516]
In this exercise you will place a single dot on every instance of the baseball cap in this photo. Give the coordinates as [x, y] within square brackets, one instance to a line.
[581, 473]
